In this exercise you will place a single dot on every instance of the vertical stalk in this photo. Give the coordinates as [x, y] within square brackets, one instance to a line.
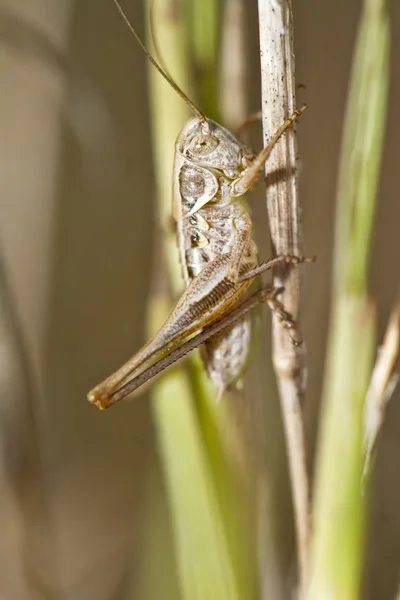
[189, 424]
[278, 103]
[339, 514]
[203, 24]
[232, 89]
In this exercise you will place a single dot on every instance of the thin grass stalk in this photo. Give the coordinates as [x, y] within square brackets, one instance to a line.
[263, 555]
[278, 103]
[232, 88]
[224, 426]
[202, 19]
[384, 379]
[362, 150]
[337, 547]
[340, 504]
[187, 420]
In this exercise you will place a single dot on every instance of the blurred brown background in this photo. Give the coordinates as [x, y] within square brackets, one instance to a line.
[76, 215]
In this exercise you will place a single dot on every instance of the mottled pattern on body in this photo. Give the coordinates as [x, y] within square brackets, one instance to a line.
[209, 218]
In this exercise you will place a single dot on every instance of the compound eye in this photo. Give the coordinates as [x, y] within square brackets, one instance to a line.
[201, 145]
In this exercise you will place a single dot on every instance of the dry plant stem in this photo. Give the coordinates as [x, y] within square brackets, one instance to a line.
[278, 102]
[383, 382]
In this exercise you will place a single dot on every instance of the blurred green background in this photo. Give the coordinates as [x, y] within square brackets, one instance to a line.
[76, 213]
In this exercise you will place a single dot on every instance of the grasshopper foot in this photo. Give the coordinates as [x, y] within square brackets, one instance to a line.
[283, 315]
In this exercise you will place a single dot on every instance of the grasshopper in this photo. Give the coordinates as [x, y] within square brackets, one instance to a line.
[212, 172]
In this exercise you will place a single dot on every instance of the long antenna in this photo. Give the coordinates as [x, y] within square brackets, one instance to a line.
[167, 77]
[154, 41]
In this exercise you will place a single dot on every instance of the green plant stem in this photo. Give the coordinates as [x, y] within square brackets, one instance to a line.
[188, 423]
[340, 504]
[337, 549]
[362, 150]
[202, 17]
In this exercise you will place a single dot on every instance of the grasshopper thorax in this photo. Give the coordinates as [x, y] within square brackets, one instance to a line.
[208, 144]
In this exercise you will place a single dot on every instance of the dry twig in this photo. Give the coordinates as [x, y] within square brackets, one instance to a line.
[278, 102]
[383, 381]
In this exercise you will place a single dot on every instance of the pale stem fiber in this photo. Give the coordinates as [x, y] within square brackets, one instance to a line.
[278, 103]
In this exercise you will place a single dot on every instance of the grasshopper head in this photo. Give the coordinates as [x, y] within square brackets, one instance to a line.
[206, 143]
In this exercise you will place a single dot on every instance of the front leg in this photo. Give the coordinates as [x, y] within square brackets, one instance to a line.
[248, 177]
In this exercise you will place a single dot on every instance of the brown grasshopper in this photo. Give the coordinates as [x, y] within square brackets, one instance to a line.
[212, 171]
